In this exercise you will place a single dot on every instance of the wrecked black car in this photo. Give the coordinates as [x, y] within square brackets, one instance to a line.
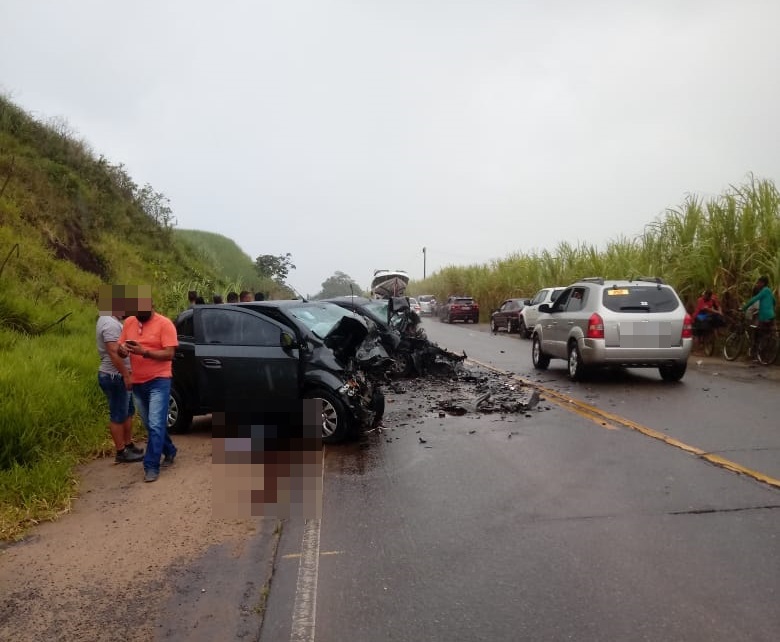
[241, 357]
[403, 337]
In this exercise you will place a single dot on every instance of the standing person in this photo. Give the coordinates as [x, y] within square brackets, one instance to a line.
[217, 298]
[192, 297]
[114, 378]
[766, 306]
[150, 340]
[245, 296]
[259, 296]
[232, 297]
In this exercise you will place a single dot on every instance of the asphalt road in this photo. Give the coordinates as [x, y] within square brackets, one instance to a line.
[625, 508]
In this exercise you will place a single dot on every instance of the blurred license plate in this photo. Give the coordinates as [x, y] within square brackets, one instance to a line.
[465, 307]
[645, 334]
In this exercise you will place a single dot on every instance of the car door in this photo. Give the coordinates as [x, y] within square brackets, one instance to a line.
[503, 314]
[572, 316]
[555, 328]
[531, 313]
[241, 359]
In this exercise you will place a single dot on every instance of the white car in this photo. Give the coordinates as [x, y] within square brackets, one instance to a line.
[414, 305]
[427, 304]
[530, 313]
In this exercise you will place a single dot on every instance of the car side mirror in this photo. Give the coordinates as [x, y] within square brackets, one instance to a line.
[287, 341]
[545, 307]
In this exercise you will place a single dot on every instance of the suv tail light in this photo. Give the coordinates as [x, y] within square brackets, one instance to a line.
[595, 327]
[687, 331]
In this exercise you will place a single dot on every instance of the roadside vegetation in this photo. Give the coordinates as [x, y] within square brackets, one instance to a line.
[723, 243]
[69, 222]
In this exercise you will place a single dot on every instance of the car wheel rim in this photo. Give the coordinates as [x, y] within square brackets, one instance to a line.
[536, 351]
[573, 362]
[330, 419]
[173, 412]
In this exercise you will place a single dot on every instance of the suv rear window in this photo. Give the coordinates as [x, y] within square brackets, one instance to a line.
[640, 298]
[464, 301]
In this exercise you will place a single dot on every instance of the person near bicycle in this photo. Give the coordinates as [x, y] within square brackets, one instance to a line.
[766, 306]
[707, 316]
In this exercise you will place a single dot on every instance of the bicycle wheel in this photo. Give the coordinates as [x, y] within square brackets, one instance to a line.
[733, 346]
[768, 346]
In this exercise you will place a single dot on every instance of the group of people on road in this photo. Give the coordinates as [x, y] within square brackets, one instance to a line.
[136, 347]
[232, 297]
[708, 315]
[135, 372]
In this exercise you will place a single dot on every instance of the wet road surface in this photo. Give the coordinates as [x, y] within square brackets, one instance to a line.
[548, 524]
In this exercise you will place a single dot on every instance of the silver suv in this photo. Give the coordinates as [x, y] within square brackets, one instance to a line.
[530, 313]
[595, 322]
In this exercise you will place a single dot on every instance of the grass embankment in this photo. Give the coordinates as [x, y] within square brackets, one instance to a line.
[723, 243]
[69, 222]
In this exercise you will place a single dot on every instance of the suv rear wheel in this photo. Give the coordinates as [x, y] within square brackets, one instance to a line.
[521, 329]
[577, 369]
[672, 372]
[335, 424]
[541, 360]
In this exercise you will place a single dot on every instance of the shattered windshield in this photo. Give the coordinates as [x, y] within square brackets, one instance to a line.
[377, 308]
[320, 318]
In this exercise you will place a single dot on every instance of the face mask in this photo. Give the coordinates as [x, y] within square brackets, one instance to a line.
[143, 316]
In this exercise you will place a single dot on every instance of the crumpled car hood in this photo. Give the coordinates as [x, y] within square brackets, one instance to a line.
[346, 336]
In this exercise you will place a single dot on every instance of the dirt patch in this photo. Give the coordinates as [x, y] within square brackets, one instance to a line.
[108, 569]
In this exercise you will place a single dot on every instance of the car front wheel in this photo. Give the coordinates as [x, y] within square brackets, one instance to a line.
[335, 423]
[541, 360]
[493, 326]
[576, 367]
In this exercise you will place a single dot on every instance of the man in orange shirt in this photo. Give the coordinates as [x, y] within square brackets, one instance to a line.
[150, 340]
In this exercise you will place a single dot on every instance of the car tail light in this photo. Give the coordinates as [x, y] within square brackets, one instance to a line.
[687, 331]
[595, 327]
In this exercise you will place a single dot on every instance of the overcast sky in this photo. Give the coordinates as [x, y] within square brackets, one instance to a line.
[352, 133]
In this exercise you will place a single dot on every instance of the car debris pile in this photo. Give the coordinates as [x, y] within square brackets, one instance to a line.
[477, 392]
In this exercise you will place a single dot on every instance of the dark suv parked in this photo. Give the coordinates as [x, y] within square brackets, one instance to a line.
[240, 357]
[459, 308]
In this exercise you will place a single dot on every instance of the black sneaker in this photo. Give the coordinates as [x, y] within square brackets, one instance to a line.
[126, 456]
[168, 460]
[134, 449]
[151, 475]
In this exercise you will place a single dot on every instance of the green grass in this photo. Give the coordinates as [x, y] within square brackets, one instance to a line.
[723, 243]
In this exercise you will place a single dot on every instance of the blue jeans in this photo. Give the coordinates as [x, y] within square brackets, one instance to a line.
[152, 399]
[120, 401]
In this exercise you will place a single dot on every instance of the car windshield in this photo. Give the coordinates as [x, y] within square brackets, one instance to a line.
[640, 298]
[320, 318]
[377, 308]
[556, 293]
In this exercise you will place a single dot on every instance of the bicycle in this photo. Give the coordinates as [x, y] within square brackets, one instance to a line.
[740, 335]
[768, 343]
[706, 335]
[764, 343]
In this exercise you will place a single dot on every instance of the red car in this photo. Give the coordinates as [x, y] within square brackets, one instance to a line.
[459, 308]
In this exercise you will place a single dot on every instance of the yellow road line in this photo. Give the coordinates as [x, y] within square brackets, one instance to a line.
[612, 421]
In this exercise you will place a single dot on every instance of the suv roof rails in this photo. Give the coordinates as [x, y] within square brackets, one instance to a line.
[593, 279]
[650, 279]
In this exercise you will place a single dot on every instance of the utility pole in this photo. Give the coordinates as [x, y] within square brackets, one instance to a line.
[424, 257]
